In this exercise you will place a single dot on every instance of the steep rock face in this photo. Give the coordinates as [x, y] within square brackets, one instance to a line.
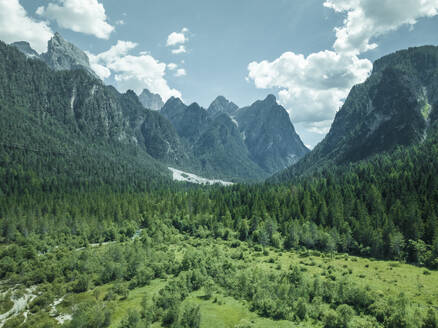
[151, 100]
[26, 49]
[269, 135]
[161, 140]
[222, 105]
[63, 55]
[393, 107]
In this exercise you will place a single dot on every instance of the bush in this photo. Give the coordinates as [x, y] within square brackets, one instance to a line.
[81, 284]
[331, 319]
[191, 317]
[170, 316]
[132, 320]
[430, 321]
[91, 315]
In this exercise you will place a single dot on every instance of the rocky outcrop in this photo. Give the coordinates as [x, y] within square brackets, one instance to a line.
[222, 105]
[270, 135]
[151, 100]
[63, 55]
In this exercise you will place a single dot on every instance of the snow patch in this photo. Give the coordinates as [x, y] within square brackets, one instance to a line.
[61, 318]
[234, 121]
[93, 90]
[192, 178]
[19, 306]
[72, 100]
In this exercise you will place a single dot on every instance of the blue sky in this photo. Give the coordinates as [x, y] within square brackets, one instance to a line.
[292, 46]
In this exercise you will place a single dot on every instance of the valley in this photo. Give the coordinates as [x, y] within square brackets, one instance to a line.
[129, 210]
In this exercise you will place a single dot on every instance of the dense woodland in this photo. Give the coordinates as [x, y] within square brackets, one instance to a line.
[384, 208]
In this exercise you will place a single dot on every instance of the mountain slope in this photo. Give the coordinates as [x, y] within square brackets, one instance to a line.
[82, 109]
[213, 142]
[269, 135]
[394, 107]
[189, 121]
[220, 148]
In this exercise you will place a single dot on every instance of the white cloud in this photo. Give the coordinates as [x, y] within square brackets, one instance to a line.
[120, 22]
[16, 25]
[368, 19]
[180, 72]
[313, 88]
[172, 66]
[84, 16]
[180, 50]
[132, 72]
[176, 38]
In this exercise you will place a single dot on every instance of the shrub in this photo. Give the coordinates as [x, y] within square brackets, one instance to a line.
[191, 317]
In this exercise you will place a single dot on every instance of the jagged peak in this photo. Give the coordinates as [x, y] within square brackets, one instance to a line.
[64, 55]
[222, 104]
[270, 99]
[151, 100]
[195, 106]
[221, 100]
[146, 92]
[58, 40]
[174, 100]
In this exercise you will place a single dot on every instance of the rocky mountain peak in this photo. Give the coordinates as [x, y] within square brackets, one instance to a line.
[195, 106]
[270, 135]
[151, 100]
[222, 105]
[270, 99]
[63, 55]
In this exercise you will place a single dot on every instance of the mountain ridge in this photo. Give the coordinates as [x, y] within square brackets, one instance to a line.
[393, 107]
[210, 142]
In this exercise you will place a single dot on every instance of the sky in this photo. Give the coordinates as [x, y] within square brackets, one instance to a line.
[308, 53]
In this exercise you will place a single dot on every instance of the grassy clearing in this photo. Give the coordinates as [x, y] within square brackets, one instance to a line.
[385, 277]
[134, 300]
[226, 312]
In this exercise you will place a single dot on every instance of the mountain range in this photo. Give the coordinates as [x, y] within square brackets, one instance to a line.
[223, 141]
[394, 107]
